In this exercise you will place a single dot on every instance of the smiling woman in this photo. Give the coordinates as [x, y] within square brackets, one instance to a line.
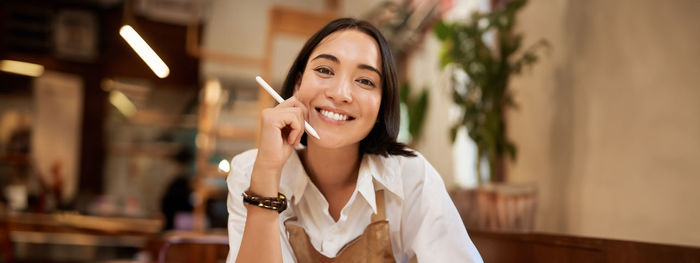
[338, 85]
[355, 193]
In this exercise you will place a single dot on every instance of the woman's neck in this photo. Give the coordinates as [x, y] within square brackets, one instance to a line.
[332, 169]
[334, 172]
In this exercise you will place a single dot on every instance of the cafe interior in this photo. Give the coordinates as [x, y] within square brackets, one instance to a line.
[119, 120]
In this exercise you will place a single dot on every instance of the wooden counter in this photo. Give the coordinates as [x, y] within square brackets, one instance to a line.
[22, 232]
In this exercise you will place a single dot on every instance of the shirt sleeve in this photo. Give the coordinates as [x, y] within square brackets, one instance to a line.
[432, 229]
[238, 181]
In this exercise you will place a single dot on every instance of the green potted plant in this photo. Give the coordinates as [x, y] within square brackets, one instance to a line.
[414, 109]
[489, 52]
[484, 98]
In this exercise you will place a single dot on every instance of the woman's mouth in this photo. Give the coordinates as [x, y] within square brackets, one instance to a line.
[334, 115]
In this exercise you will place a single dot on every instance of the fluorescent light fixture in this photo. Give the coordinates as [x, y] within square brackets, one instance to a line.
[144, 51]
[122, 103]
[22, 68]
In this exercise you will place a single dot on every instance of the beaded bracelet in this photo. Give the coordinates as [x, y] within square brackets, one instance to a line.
[278, 203]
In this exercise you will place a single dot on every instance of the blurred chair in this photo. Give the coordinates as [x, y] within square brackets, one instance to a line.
[194, 247]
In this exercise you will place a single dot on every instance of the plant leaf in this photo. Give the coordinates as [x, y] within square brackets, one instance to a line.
[442, 30]
[417, 113]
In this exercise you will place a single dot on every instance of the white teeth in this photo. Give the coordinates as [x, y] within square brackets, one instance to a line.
[333, 115]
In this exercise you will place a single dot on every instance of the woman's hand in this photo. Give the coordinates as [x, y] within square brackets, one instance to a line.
[281, 129]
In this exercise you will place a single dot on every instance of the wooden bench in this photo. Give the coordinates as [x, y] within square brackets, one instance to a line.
[534, 247]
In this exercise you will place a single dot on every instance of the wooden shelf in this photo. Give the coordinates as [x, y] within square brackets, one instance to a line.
[161, 149]
[68, 222]
[236, 133]
[160, 119]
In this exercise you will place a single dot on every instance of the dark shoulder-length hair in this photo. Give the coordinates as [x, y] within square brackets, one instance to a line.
[382, 139]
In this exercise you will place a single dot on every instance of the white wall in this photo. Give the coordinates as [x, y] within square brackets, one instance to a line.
[608, 126]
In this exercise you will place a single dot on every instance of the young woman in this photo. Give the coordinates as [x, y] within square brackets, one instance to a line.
[355, 194]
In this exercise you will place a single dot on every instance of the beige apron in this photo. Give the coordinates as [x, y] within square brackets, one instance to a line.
[373, 246]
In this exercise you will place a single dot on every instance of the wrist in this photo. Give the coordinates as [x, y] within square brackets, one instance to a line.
[278, 203]
[267, 163]
[264, 180]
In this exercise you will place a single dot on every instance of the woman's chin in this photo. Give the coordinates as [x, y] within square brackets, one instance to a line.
[329, 141]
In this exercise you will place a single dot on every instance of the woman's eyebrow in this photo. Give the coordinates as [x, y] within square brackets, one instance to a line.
[336, 60]
[327, 56]
[368, 67]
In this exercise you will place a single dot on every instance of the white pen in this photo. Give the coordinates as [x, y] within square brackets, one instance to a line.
[279, 99]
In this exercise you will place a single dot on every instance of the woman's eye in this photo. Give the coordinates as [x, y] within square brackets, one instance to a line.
[324, 71]
[366, 82]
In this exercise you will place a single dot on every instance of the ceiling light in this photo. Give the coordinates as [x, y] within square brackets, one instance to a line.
[22, 68]
[144, 51]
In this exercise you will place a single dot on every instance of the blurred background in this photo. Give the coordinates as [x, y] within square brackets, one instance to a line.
[564, 130]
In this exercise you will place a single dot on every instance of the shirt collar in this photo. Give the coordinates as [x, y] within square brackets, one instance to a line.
[376, 172]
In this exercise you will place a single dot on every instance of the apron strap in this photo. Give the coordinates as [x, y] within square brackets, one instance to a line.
[381, 213]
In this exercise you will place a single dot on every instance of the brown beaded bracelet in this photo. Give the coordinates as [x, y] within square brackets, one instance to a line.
[278, 203]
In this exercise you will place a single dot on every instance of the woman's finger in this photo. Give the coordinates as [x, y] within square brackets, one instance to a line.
[294, 138]
[301, 116]
[284, 113]
[293, 102]
[291, 139]
[294, 120]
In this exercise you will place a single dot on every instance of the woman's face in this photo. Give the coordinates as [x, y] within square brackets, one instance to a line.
[341, 86]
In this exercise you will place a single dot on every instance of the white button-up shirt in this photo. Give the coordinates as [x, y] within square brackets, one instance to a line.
[423, 221]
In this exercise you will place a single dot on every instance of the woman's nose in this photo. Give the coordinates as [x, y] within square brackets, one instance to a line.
[342, 92]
